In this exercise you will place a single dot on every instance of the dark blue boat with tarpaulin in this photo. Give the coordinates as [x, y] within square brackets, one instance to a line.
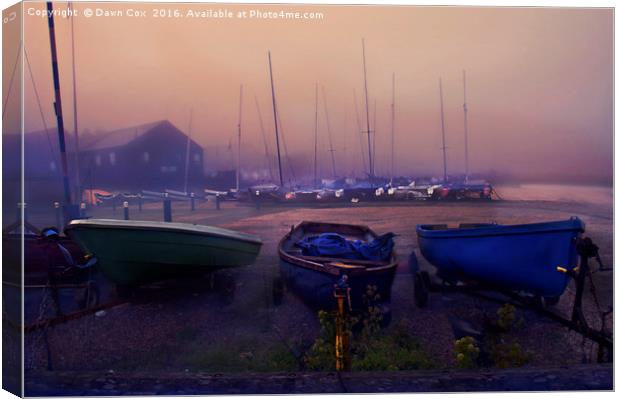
[314, 256]
[523, 257]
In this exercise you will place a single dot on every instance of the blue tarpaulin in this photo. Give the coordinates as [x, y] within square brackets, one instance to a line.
[334, 245]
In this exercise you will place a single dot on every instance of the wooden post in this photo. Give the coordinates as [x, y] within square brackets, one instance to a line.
[126, 210]
[342, 292]
[257, 199]
[167, 208]
[58, 214]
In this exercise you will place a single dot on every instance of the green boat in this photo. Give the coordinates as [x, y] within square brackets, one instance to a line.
[133, 252]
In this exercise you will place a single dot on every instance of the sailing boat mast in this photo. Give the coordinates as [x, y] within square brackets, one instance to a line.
[329, 134]
[359, 131]
[58, 108]
[393, 100]
[275, 119]
[370, 164]
[465, 128]
[187, 148]
[443, 134]
[239, 138]
[75, 117]
[316, 131]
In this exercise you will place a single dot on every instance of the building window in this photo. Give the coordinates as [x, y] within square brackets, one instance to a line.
[98, 160]
[196, 158]
[146, 156]
[112, 158]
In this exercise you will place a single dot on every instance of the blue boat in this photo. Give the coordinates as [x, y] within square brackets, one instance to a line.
[515, 257]
[313, 277]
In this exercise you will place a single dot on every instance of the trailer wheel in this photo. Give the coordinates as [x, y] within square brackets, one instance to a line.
[421, 287]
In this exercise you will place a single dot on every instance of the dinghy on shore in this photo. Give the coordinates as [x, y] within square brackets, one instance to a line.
[132, 252]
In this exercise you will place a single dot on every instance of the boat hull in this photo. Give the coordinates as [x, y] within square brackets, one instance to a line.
[131, 256]
[519, 257]
[313, 279]
[317, 288]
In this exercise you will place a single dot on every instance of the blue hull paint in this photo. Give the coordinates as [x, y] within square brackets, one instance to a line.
[316, 288]
[518, 257]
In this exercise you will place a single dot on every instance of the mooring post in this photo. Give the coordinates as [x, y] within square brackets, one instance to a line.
[342, 292]
[192, 201]
[58, 212]
[217, 201]
[139, 202]
[126, 210]
[167, 208]
[257, 199]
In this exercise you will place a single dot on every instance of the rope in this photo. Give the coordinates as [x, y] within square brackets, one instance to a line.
[8, 94]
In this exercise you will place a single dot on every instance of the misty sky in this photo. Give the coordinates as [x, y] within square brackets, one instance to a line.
[539, 81]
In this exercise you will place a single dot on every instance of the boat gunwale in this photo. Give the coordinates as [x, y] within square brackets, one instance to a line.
[175, 228]
[573, 224]
[332, 268]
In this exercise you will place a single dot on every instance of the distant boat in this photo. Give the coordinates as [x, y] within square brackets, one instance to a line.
[313, 277]
[133, 252]
[521, 257]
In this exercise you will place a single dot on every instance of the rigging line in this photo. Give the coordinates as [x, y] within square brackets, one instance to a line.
[8, 94]
[36, 94]
[262, 129]
[285, 148]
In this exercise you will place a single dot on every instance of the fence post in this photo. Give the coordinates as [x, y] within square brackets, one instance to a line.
[126, 210]
[58, 214]
[167, 208]
[257, 199]
[192, 202]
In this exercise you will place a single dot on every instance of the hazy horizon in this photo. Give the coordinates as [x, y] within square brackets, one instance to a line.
[539, 82]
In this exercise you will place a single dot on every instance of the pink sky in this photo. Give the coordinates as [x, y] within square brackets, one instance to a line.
[539, 81]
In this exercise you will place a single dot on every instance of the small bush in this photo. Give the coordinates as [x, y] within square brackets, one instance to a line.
[466, 352]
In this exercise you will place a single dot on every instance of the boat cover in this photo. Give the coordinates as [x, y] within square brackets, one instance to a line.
[334, 245]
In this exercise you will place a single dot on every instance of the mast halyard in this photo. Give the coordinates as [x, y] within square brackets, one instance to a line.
[329, 134]
[239, 138]
[371, 168]
[465, 128]
[69, 212]
[275, 119]
[443, 134]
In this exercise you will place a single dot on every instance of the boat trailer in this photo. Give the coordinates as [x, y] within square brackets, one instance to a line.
[577, 322]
